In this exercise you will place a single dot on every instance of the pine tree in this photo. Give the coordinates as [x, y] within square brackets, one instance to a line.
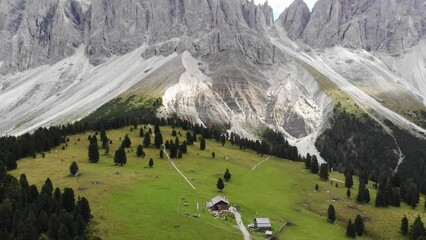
[179, 155]
[359, 225]
[314, 165]
[141, 132]
[73, 168]
[147, 140]
[161, 154]
[151, 163]
[139, 151]
[24, 182]
[360, 197]
[120, 157]
[227, 175]
[324, 171]
[308, 161]
[349, 182]
[189, 138]
[202, 144]
[350, 229]
[63, 233]
[84, 209]
[348, 193]
[214, 155]
[93, 152]
[220, 185]
[127, 143]
[68, 200]
[173, 151]
[367, 196]
[417, 229]
[331, 214]
[158, 139]
[404, 226]
[107, 148]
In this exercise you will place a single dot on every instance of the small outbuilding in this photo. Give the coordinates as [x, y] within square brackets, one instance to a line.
[219, 203]
[262, 224]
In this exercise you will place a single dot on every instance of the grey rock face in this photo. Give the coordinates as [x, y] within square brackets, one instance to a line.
[382, 25]
[42, 32]
[295, 18]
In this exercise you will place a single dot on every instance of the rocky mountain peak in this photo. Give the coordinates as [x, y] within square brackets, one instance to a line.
[33, 33]
[295, 18]
[381, 25]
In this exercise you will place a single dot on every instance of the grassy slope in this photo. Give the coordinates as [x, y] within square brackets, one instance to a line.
[140, 202]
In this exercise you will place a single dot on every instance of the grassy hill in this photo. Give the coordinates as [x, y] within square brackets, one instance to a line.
[138, 202]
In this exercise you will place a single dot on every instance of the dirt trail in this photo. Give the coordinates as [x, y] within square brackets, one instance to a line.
[177, 169]
[255, 166]
[243, 229]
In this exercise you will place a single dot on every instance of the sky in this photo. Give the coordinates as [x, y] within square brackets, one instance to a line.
[280, 5]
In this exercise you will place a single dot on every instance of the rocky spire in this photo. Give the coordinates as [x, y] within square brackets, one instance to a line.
[295, 18]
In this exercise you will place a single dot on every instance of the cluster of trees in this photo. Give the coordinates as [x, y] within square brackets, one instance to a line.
[416, 231]
[220, 185]
[347, 148]
[28, 145]
[27, 213]
[347, 145]
[355, 228]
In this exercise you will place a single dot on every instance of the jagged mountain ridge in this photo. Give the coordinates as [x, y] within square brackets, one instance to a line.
[212, 61]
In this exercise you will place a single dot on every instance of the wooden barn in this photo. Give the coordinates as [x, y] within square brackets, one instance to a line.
[219, 203]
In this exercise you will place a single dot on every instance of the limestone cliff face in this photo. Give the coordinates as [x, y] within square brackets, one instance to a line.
[382, 25]
[33, 33]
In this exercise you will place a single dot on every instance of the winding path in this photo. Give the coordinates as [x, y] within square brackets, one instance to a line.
[177, 169]
[243, 229]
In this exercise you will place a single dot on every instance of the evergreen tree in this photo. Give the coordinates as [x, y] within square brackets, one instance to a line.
[151, 163]
[179, 154]
[331, 214]
[314, 165]
[367, 196]
[324, 171]
[158, 139]
[147, 140]
[68, 200]
[161, 154]
[359, 225]
[139, 151]
[156, 128]
[107, 149]
[220, 185]
[308, 161]
[189, 138]
[349, 182]
[202, 144]
[348, 193]
[173, 151]
[350, 229]
[174, 134]
[184, 147]
[227, 175]
[141, 132]
[127, 143]
[316, 187]
[84, 209]
[73, 168]
[63, 233]
[93, 151]
[361, 192]
[214, 155]
[417, 229]
[404, 226]
[24, 182]
[120, 157]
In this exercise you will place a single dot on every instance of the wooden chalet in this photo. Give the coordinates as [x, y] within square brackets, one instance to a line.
[262, 224]
[219, 203]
